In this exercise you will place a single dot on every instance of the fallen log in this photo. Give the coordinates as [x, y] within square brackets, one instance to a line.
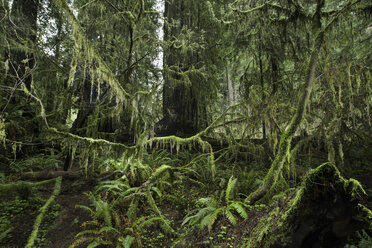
[44, 175]
[43, 209]
[21, 188]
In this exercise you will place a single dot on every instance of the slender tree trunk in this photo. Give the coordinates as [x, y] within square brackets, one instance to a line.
[285, 141]
[230, 88]
[262, 91]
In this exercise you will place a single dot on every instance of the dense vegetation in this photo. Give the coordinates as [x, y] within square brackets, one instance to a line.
[220, 123]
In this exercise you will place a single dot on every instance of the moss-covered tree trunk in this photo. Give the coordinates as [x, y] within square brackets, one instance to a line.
[276, 168]
[182, 108]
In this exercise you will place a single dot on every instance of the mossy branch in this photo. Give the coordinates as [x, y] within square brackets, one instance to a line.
[42, 211]
[89, 140]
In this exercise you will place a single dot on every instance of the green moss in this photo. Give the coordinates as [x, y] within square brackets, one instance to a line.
[354, 189]
[42, 210]
[274, 229]
[367, 215]
[264, 235]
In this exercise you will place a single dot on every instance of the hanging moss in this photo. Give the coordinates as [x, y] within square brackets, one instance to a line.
[85, 51]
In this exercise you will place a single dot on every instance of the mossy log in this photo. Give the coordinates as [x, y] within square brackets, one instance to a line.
[43, 209]
[323, 212]
[21, 188]
[43, 175]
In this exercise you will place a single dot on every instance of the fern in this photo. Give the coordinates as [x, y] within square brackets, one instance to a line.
[230, 188]
[207, 201]
[108, 229]
[158, 173]
[213, 217]
[85, 232]
[128, 241]
[199, 216]
[230, 217]
[210, 209]
[140, 223]
[238, 207]
[116, 186]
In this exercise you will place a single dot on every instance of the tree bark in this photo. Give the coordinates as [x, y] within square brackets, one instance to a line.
[182, 108]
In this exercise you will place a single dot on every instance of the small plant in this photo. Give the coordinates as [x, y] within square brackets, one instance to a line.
[115, 224]
[212, 209]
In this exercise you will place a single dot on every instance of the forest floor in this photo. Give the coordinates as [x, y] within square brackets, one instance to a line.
[71, 216]
[65, 219]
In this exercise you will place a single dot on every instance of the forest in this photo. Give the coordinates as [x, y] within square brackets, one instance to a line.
[186, 123]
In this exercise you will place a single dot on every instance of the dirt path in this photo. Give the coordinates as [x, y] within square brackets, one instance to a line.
[70, 217]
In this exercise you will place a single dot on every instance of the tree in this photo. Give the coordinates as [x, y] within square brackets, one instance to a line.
[191, 65]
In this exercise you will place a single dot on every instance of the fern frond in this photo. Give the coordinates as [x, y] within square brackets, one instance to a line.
[91, 223]
[86, 208]
[205, 221]
[98, 243]
[207, 201]
[198, 216]
[86, 232]
[157, 191]
[237, 206]
[80, 241]
[108, 229]
[213, 218]
[93, 244]
[115, 185]
[230, 217]
[158, 173]
[132, 211]
[103, 210]
[128, 241]
[126, 195]
[147, 222]
[230, 188]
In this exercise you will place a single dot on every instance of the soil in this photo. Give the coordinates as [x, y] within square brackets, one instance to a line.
[71, 217]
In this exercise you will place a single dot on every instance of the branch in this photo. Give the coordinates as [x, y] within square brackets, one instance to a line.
[89, 140]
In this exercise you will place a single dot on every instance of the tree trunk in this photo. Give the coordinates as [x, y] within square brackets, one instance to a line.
[182, 108]
[24, 14]
[285, 141]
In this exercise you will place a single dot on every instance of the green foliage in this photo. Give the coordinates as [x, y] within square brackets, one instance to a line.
[84, 77]
[365, 241]
[210, 209]
[49, 158]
